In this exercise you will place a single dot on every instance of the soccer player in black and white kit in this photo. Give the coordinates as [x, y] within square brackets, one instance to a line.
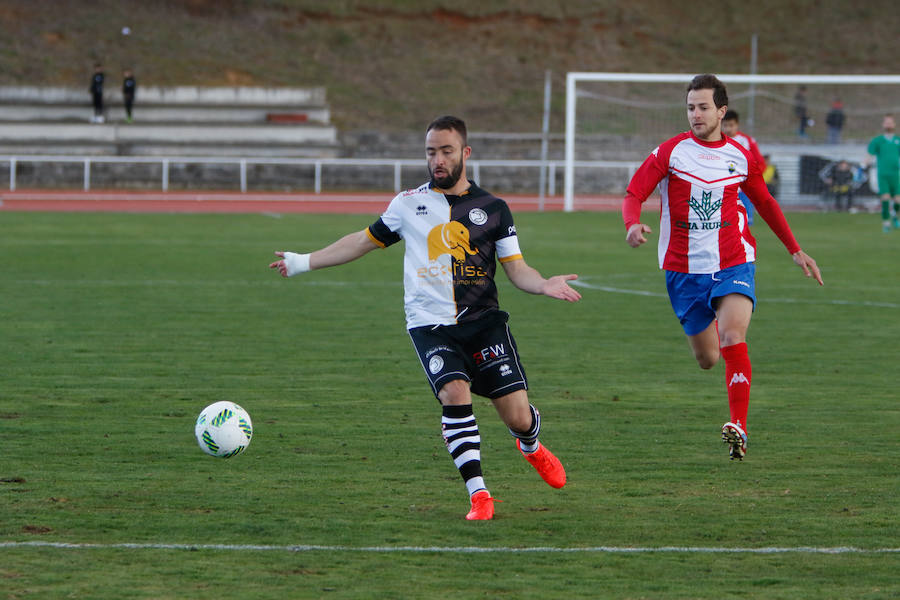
[455, 232]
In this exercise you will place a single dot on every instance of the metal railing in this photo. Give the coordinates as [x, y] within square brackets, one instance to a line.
[397, 164]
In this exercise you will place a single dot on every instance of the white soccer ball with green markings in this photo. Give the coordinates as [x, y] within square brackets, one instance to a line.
[223, 429]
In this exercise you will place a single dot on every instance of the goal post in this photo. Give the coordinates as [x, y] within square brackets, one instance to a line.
[831, 83]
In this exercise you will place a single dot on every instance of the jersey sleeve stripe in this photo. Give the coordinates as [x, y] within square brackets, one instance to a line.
[381, 234]
[375, 240]
[506, 259]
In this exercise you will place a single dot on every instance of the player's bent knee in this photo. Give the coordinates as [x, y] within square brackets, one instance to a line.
[520, 422]
[455, 392]
[707, 360]
[515, 410]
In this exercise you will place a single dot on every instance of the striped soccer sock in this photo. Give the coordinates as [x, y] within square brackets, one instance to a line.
[528, 440]
[463, 441]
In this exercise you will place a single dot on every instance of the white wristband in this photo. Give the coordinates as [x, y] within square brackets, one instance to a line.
[296, 263]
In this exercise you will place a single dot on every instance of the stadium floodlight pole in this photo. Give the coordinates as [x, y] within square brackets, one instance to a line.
[574, 77]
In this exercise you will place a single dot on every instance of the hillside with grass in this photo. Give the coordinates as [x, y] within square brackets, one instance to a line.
[393, 65]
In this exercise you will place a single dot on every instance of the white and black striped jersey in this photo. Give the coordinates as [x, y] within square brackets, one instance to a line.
[452, 247]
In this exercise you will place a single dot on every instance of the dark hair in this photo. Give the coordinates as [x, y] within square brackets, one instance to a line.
[450, 123]
[710, 82]
[731, 115]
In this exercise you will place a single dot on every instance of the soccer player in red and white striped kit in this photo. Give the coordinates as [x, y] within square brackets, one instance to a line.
[705, 245]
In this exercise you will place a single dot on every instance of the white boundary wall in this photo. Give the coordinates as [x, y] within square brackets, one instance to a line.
[572, 79]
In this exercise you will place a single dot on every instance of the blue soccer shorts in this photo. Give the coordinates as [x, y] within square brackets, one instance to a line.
[694, 297]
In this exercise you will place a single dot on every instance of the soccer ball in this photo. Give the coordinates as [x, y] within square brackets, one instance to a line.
[223, 429]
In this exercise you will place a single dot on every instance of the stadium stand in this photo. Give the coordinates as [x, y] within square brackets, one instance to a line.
[185, 121]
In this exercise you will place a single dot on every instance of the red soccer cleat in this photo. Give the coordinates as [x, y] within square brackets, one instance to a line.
[482, 507]
[546, 464]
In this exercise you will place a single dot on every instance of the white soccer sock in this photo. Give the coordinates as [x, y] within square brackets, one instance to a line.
[529, 448]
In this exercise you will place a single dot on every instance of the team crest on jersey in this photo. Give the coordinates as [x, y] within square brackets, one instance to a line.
[732, 167]
[450, 238]
[478, 216]
[705, 207]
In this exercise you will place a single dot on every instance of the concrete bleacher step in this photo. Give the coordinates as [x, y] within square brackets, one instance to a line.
[155, 113]
[172, 96]
[269, 139]
[214, 121]
[173, 149]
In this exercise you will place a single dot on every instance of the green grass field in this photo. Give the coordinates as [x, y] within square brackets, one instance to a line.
[117, 329]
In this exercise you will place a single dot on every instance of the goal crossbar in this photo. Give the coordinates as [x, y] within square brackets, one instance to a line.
[572, 78]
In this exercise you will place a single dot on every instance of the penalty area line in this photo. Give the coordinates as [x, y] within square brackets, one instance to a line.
[452, 549]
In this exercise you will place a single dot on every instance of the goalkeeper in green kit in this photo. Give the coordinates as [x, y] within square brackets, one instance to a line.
[886, 150]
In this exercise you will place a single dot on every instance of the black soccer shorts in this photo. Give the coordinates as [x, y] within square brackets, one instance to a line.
[481, 351]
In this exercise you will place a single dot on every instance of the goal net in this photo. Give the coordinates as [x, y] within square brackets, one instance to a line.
[622, 117]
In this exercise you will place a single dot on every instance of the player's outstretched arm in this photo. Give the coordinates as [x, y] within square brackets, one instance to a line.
[347, 249]
[809, 266]
[528, 279]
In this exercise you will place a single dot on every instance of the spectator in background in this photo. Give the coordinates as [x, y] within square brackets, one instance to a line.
[835, 122]
[129, 87]
[803, 119]
[840, 182]
[96, 90]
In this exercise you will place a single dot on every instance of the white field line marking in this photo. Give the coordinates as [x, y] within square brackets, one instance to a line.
[455, 549]
[272, 280]
[391, 283]
[615, 290]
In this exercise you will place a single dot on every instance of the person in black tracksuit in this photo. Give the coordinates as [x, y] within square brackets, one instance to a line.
[96, 90]
[129, 87]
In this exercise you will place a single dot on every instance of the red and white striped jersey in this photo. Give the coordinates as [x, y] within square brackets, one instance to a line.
[703, 226]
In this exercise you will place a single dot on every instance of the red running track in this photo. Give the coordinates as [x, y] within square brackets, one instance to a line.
[251, 202]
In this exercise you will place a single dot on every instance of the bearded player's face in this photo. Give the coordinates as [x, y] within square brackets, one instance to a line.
[446, 157]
